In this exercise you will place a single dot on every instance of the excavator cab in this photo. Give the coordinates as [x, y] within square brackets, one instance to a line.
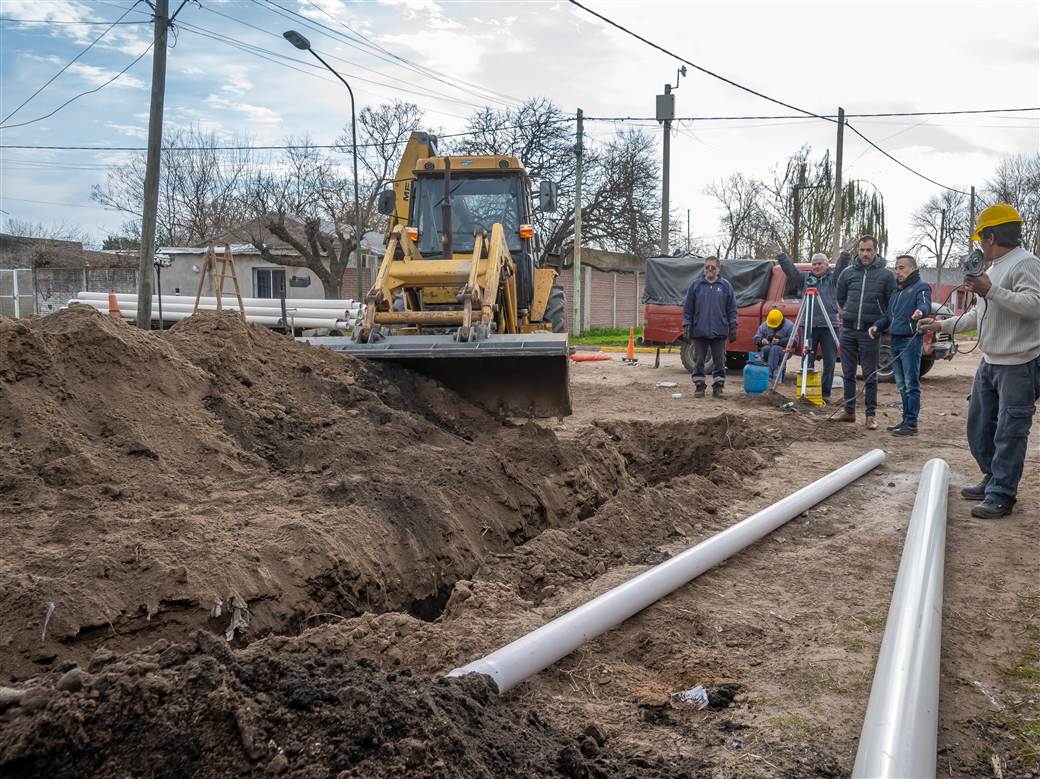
[459, 295]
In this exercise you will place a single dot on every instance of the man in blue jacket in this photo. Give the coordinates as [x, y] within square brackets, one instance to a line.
[862, 291]
[911, 301]
[824, 279]
[709, 319]
[772, 338]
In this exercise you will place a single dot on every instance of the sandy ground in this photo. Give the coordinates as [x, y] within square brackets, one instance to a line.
[339, 674]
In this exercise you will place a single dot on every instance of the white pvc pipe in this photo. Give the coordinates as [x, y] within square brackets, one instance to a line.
[273, 321]
[541, 648]
[309, 302]
[291, 311]
[899, 733]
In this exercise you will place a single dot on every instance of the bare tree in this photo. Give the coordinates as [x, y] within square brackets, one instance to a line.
[55, 231]
[742, 218]
[938, 226]
[1017, 181]
[198, 188]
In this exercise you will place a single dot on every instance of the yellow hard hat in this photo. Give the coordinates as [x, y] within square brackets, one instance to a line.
[775, 318]
[1000, 214]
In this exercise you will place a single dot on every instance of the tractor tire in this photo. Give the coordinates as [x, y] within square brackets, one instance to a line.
[688, 355]
[556, 310]
[927, 361]
[886, 373]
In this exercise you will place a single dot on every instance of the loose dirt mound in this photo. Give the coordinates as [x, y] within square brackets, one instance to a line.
[198, 709]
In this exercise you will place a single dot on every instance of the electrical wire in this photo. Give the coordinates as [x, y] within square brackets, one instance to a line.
[66, 67]
[903, 164]
[82, 94]
[62, 21]
[816, 116]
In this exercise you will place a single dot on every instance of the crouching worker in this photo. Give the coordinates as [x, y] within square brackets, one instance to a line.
[911, 301]
[772, 338]
[709, 320]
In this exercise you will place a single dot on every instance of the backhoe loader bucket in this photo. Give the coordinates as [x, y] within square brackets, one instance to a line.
[521, 375]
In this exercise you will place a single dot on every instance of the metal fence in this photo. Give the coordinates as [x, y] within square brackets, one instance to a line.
[55, 287]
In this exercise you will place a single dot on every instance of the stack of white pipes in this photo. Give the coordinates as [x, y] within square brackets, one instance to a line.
[300, 312]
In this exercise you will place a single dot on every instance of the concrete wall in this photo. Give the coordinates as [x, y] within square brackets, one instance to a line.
[55, 287]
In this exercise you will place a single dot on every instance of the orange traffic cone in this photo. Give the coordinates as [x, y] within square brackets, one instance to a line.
[630, 353]
[113, 306]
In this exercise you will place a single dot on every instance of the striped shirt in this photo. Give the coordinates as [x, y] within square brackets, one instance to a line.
[1008, 318]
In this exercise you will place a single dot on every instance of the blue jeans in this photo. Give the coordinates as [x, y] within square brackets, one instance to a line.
[821, 336]
[858, 348]
[774, 354]
[906, 365]
[1000, 413]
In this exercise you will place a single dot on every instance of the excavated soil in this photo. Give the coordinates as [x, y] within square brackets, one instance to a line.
[229, 554]
[170, 499]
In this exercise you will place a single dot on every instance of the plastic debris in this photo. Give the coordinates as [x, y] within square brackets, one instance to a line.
[666, 384]
[47, 620]
[676, 395]
[695, 696]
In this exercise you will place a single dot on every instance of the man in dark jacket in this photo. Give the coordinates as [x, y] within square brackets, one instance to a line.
[824, 279]
[862, 292]
[911, 301]
[709, 318]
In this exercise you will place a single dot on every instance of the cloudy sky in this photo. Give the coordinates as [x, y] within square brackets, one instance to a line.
[230, 71]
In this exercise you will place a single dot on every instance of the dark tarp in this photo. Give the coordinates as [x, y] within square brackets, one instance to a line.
[668, 278]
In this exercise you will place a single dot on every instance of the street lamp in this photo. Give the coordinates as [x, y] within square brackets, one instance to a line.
[303, 44]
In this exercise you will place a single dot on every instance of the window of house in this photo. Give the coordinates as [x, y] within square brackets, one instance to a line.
[269, 282]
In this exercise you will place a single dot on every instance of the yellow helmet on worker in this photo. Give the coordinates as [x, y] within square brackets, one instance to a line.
[775, 318]
[1000, 214]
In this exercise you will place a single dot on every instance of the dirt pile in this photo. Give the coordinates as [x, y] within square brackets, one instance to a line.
[200, 709]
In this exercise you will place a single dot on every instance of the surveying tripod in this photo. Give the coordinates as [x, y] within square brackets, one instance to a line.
[806, 313]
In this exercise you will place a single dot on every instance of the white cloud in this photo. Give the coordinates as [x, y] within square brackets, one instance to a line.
[96, 76]
[255, 113]
[131, 130]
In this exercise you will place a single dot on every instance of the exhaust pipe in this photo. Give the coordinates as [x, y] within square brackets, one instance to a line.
[536, 651]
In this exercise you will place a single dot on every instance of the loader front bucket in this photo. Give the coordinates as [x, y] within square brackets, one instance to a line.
[523, 375]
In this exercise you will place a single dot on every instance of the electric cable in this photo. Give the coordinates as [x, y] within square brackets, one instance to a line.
[67, 66]
[67, 21]
[903, 164]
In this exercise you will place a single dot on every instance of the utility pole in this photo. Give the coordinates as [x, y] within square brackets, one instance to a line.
[688, 244]
[665, 115]
[838, 205]
[151, 176]
[939, 259]
[579, 152]
[797, 190]
[971, 219]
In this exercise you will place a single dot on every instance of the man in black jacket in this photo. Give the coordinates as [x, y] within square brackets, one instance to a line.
[862, 291]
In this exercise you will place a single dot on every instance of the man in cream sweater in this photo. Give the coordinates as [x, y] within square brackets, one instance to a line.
[1007, 382]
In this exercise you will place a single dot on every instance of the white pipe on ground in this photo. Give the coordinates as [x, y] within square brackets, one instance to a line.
[271, 321]
[291, 311]
[541, 648]
[899, 733]
[309, 302]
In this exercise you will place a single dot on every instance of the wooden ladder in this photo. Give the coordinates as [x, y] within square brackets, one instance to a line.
[209, 268]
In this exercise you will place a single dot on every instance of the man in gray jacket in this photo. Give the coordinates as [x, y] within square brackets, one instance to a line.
[824, 279]
[862, 291]
[1007, 381]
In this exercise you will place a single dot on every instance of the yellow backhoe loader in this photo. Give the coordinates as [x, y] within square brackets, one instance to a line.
[459, 295]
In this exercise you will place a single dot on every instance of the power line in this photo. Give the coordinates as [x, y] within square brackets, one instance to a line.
[902, 164]
[62, 21]
[82, 94]
[803, 115]
[695, 66]
[67, 66]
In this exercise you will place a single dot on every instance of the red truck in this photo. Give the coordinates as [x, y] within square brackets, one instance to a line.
[764, 282]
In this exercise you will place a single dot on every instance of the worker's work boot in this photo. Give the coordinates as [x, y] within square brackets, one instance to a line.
[993, 507]
[870, 423]
[893, 428]
[716, 389]
[846, 416]
[699, 391]
[976, 491]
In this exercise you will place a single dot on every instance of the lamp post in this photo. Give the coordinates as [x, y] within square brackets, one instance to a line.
[303, 44]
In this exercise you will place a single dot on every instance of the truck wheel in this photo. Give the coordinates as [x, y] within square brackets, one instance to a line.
[736, 361]
[556, 310]
[688, 355]
[885, 374]
[927, 361]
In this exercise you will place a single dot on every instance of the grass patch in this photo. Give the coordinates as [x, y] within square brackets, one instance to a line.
[792, 722]
[605, 336]
[852, 644]
[867, 623]
[1023, 677]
